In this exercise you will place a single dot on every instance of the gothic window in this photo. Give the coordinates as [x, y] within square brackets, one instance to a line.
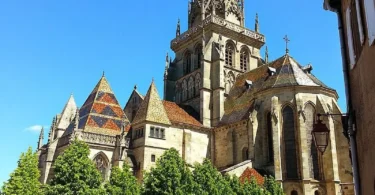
[244, 60]
[197, 83]
[191, 91]
[229, 81]
[199, 56]
[269, 137]
[101, 163]
[184, 90]
[245, 154]
[312, 152]
[229, 54]
[289, 135]
[294, 192]
[187, 63]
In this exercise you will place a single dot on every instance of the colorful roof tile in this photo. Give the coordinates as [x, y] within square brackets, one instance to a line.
[101, 112]
[177, 115]
[152, 109]
[250, 173]
[67, 114]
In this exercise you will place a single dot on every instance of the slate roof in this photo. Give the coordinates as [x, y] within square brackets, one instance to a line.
[249, 173]
[101, 112]
[177, 115]
[152, 109]
[288, 72]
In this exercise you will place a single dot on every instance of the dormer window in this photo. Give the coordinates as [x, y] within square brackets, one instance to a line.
[308, 68]
[271, 71]
[248, 84]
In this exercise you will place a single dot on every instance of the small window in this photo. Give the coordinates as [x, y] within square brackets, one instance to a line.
[153, 158]
[152, 132]
[157, 133]
[162, 134]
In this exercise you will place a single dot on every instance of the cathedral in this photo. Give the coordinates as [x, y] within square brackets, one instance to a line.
[221, 100]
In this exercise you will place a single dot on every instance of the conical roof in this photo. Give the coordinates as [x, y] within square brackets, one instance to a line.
[67, 114]
[101, 112]
[152, 109]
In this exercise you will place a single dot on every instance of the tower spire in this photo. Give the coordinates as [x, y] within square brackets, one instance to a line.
[178, 30]
[266, 56]
[256, 23]
[41, 137]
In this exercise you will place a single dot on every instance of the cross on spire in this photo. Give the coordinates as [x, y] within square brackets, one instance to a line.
[286, 43]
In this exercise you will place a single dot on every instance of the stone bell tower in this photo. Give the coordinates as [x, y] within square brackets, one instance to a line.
[209, 56]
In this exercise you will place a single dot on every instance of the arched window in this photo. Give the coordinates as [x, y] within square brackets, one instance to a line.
[316, 192]
[294, 192]
[229, 81]
[229, 54]
[191, 91]
[289, 135]
[101, 163]
[197, 83]
[313, 153]
[244, 59]
[187, 62]
[245, 154]
[199, 57]
[269, 137]
[184, 90]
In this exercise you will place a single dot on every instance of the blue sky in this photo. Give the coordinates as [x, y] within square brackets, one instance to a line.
[50, 49]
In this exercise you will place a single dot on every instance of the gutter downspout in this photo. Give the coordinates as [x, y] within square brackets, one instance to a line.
[351, 113]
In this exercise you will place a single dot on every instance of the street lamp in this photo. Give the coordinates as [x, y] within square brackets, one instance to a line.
[320, 134]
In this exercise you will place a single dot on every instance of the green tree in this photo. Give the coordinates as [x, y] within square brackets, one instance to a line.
[253, 188]
[75, 173]
[272, 186]
[25, 178]
[122, 182]
[170, 176]
[235, 184]
[209, 180]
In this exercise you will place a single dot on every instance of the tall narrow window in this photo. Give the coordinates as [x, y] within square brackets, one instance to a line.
[245, 154]
[269, 137]
[369, 6]
[101, 163]
[162, 134]
[357, 32]
[244, 60]
[152, 132]
[289, 135]
[199, 56]
[312, 151]
[229, 54]
[153, 158]
[187, 63]
[157, 132]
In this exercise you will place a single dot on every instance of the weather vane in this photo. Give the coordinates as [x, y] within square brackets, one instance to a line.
[286, 43]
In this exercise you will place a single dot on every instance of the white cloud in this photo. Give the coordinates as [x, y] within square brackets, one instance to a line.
[36, 128]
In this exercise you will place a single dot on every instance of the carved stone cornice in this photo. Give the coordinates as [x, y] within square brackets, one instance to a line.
[224, 27]
[99, 139]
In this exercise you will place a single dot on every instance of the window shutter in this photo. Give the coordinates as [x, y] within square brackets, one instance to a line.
[370, 17]
[350, 38]
[359, 18]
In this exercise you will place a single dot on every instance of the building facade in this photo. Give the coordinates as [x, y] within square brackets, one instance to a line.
[222, 101]
[357, 33]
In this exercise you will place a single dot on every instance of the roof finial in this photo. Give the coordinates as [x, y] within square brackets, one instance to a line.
[178, 28]
[103, 74]
[152, 79]
[135, 87]
[286, 42]
[167, 57]
[41, 137]
[266, 55]
[256, 23]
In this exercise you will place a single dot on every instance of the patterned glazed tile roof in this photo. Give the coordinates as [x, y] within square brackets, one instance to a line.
[249, 173]
[67, 114]
[178, 115]
[288, 72]
[152, 109]
[101, 112]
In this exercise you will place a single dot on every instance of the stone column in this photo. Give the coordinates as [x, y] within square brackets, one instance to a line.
[276, 132]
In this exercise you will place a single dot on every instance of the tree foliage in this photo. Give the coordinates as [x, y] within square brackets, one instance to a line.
[75, 173]
[122, 182]
[25, 178]
[170, 176]
[272, 186]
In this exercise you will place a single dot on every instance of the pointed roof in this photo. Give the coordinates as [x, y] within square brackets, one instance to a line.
[249, 173]
[177, 115]
[101, 113]
[67, 114]
[152, 109]
[288, 72]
